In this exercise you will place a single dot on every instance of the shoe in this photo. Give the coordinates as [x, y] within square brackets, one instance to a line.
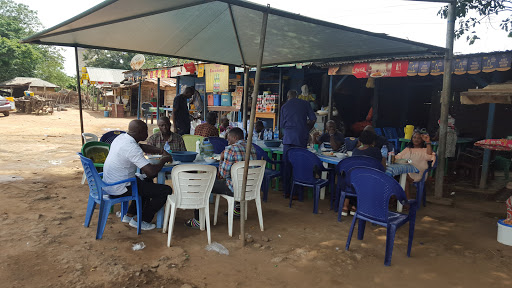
[344, 212]
[193, 223]
[236, 212]
[127, 219]
[353, 211]
[144, 225]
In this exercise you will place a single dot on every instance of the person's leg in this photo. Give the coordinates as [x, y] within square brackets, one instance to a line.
[286, 171]
[408, 183]
[219, 187]
[153, 197]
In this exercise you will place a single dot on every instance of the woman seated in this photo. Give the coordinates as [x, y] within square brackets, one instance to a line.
[419, 151]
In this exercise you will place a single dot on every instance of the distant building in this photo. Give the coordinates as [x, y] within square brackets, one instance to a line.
[19, 84]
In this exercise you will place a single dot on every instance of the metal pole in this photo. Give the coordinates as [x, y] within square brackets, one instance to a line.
[139, 97]
[158, 100]
[487, 152]
[279, 98]
[445, 100]
[79, 95]
[246, 96]
[251, 126]
[330, 98]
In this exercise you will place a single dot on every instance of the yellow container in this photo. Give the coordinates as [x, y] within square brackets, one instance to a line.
[408, 131]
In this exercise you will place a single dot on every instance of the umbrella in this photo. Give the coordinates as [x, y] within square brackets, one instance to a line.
[495, 144]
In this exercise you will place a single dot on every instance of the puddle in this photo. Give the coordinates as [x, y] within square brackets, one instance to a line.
[55, 162]
[9, 178]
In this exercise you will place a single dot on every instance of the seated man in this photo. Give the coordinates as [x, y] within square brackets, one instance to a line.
[123, 159]
[234, 153]
[332, 136]
[158, 139]
[224, 125]
[260, 129]
[208, 129]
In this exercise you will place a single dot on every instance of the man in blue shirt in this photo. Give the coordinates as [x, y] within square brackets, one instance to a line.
[296, 114]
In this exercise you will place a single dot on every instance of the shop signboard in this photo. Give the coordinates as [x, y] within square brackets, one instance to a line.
[399, 68]
[412, 68]
[489, 63]
[217, 78]
[360, 70]
[504, 61]
[474, 65]
[178, 71]
[460, 66]
[424, 68]
[437, 67]
[379, 69]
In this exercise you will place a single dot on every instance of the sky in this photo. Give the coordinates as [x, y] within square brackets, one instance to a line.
[413, 20]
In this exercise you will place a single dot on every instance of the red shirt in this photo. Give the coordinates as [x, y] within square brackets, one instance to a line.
[206, 130]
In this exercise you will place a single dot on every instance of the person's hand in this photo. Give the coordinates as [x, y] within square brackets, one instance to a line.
[167, 158]
[165, 153]
[425, 137]
[222, 156]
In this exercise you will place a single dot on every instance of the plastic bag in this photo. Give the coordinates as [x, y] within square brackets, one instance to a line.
[217, 247]
[138, 246]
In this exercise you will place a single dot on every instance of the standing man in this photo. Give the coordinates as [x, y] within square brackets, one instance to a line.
[180, 115]
[296, 114]
[123, 159]
[158, 139]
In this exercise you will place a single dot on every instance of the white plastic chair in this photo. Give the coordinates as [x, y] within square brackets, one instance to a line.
[253, 190]
[191, 191]
[88, 137]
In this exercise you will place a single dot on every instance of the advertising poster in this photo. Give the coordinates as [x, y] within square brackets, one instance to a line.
[399, 68]
[424, 68]
[474, 65]
[437, 67]
[460, 66]
[412, 69]
[360, 70]
[217, 78]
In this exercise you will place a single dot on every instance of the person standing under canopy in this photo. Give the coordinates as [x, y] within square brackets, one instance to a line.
[296, 114]
[165, 134]
[180, 114]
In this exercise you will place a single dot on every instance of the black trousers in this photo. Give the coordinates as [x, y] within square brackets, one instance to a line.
[219, 187]
[153, 198]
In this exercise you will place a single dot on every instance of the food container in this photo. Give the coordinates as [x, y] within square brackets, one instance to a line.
[154, 159]
[216, 100]
[184, 156]
[504, 233]
[272, 143]
[210, 160]
[226, 99]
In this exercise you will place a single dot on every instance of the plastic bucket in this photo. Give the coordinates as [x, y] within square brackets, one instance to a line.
[106, 113]
[504, 233]
[408, 131]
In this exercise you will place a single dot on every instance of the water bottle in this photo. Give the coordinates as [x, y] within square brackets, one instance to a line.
[167, 147]
[276, 134]
[384, 151]
[254, 136]
[265, 134]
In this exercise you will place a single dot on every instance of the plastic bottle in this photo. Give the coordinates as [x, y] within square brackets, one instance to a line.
[254, 136]
[276, 134]
[198, 147]
[167, 147]
[384, 151]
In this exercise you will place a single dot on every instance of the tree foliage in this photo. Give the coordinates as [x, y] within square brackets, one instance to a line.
[121, 60]
[17, 21]
[471, 13]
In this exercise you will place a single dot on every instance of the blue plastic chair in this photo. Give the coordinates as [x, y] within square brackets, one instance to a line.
[351, 143]
[218, 144]
[145, 111]
[97, 196]
[421, 196]
[391, 135]
[344, 188]
[110, 136]
[304, 163]
[269, 173]
[374, 189]
[378, 131]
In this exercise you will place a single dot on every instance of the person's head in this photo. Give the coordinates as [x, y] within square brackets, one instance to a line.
[416, 140]
[369, 128]
[189, 92]
[367, 137]
[211, 118]
[234, 135]
[259, 126]
[330, 126]
[292, 94]
[138, 130]
[224, 122]
[164, 124]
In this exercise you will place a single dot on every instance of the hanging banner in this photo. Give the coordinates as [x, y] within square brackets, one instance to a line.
[424, 68]
[460, 66]
[504, 62]
[217, 78]
[360, 70]
[437, 67]
[190, 67]
[474, 65]
[333, 69]
[399, 68]
[379, 69]
[489, 63]
[200, 70]
[178, 71]
[412, 68]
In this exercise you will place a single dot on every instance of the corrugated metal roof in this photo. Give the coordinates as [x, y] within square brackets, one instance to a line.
[24, 81]
[222, 31]
[105, 75]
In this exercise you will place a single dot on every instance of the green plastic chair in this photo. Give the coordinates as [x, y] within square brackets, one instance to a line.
[97, 152]
[190, 141]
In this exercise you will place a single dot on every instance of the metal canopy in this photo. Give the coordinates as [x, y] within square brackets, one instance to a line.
[224, 31]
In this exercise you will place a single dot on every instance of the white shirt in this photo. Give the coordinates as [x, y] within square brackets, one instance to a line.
[124, 157]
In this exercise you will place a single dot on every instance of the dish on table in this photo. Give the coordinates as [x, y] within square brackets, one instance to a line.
[210, 160]
[330, 153]
[173, 163]
[154, 159]
[403, 161]
[341, 155]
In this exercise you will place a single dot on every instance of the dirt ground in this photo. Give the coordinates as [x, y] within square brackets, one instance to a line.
[44, 243]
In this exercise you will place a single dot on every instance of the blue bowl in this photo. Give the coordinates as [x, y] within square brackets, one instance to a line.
[184, 156]
[272, 143]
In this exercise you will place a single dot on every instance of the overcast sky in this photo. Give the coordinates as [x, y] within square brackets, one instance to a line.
[411, 20]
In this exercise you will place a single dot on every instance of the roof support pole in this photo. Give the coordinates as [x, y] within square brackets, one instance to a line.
[280, 94]
[79, 94]
[251, 126]
[487, 152]
[445, 100]
[330, 98]
[158, 100]
[139, 97]
[246, 97]
[236, 34]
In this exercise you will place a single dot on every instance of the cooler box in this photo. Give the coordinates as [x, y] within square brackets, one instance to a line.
[226, 99]
[216, 100]
[210, 99]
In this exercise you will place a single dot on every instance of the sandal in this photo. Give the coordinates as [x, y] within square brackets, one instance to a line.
[192, 223]
[344, 212]
[353, 211]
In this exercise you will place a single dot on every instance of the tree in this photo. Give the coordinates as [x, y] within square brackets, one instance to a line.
[121, 60]
[473, 12]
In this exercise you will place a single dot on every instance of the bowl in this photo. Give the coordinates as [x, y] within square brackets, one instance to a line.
[210, 160]
[272, 143]
[154, 159]
[341, 155]
[184, 156]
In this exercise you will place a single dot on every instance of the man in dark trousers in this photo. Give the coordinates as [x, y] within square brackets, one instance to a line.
[296, 114]
[180, 115]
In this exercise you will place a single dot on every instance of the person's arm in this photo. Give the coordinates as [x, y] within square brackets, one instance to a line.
[311, 114]
[136, 156]
[175, 111]
[335, 141]
[426, 138]
[150, 149]
[151, 170]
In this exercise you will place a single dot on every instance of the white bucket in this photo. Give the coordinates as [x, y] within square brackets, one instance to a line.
[504, 233]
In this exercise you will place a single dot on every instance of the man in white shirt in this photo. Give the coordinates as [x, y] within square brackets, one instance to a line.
[123, 159]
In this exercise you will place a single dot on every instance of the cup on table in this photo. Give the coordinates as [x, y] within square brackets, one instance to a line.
[316, 147]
